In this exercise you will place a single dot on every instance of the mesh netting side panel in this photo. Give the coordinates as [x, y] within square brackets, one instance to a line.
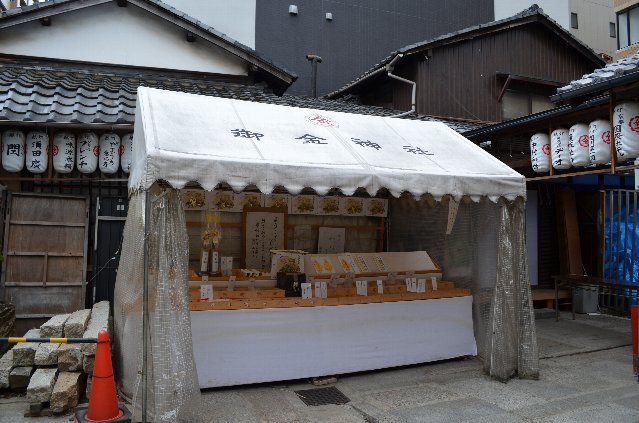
[466, 256]
[485, 252]
[127, 302]
[512, 348]
[528, 353]
[172, 384]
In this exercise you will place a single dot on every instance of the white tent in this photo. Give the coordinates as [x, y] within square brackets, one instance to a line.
[183, 138]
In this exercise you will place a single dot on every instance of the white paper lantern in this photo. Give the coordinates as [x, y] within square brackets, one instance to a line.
[13, 151]
[599, 141]
[63, 152]
[87, 152]
[127, 152]
[37, 146]
[109, 153]
[559, 149]
[578, 145]
[626, 123]
[540, 152]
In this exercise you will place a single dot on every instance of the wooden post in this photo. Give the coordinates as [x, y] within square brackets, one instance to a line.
[380, 235]
[51, 134]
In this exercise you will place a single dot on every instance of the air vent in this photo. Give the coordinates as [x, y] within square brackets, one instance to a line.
[323, 396]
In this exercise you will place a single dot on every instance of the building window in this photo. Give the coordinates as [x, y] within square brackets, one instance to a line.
[516, 104]
[574, 21]
[613, 30]
[628, 27]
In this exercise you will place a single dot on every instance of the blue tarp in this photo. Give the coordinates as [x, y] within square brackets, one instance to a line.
[624, 247]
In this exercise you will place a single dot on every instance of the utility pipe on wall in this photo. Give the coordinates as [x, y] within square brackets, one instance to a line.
[314, 59]
[389, 69]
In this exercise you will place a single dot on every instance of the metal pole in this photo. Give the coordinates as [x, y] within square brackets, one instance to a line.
[53, 340]
[145, 307]
[314, 59]
[632, 242]
[611, 209]
[625, 237]
[314, 79]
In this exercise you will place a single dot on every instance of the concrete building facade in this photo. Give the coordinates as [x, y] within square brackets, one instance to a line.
[592, 21]
[627, 20]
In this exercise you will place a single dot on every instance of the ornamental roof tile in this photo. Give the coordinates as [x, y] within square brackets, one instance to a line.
[615, 73]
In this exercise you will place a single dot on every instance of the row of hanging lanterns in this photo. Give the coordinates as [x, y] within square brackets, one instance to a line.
[583, 144]
[87, 152]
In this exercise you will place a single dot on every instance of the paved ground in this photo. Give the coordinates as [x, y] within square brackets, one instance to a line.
[586, 376]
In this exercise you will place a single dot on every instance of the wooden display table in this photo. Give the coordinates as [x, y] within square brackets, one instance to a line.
[257, 298]
[257, 334]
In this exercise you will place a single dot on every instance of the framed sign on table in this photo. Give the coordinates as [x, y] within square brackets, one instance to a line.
[263, 230]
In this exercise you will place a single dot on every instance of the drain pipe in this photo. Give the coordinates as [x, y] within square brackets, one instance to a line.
[389, 69]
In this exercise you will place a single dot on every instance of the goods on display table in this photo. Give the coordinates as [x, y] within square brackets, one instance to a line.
[267, 275]
[330, 280]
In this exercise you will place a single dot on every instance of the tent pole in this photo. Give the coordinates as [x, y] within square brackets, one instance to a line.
[145, 307]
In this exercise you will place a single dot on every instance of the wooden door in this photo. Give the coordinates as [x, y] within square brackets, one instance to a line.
[45, 248]
[110, 218]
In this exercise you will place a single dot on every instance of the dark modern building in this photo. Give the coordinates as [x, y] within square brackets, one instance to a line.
[356, 34]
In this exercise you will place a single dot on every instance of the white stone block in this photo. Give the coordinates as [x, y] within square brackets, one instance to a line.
[54, 327]
[6, 365]
[99, 320]
[24, 353]
[47, 354]
[69, 358]
[66, 391]
[77, 323]
[41, 385]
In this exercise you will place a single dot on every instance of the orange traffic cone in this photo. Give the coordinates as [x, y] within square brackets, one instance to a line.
[103, 403]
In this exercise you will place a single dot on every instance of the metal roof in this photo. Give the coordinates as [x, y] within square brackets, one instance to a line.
[76, 94]
[274, 73]
[532, 14]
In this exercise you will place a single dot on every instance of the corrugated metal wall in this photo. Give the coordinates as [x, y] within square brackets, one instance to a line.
[460, 80]
[361, 33]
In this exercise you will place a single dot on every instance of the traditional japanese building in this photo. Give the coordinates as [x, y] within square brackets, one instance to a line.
[490, 72]
[581, 217]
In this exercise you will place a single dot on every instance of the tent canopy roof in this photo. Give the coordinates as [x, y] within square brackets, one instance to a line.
[185, 138]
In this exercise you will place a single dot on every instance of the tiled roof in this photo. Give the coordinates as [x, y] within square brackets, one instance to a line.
[82, 96]
[620, 70]
[532, 13]
[49, 8]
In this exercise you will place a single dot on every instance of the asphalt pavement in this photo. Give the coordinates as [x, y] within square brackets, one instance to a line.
[585, 376]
